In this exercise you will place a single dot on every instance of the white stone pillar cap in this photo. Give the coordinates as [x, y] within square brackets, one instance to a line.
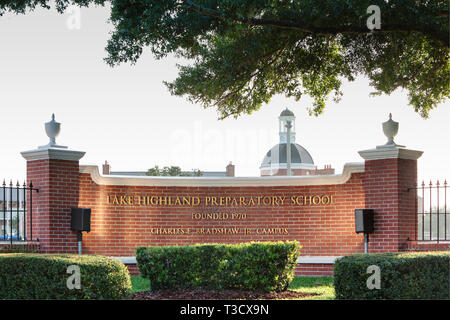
[390, 152]
[52, 153]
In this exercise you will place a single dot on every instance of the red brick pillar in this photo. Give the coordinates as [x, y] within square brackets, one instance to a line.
[55, 172]
[389, 172]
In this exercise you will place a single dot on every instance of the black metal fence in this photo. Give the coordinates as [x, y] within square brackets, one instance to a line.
[16, 212]
[433, 212]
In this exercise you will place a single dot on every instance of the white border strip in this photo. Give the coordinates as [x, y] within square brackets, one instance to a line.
[349, 169]
[5, 242]
[126, 260]
[300, 260]
[317, 259]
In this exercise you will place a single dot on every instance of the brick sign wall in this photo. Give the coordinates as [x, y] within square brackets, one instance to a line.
[317, 211]
[321, 218]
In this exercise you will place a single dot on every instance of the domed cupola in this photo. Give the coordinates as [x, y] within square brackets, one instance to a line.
[275, 161]
[286, 117]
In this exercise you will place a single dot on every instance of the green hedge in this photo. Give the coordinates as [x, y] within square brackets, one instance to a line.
[413, 275]
[44, 276]
[258, 266]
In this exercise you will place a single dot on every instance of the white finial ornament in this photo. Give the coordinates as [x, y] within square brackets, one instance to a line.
[52, 129]
[52, 150]
[390, 150]
[390, 130]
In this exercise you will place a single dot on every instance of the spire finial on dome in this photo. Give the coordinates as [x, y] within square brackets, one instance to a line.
[287, 113]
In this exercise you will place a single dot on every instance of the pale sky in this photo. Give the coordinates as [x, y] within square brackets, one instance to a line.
[127, 116]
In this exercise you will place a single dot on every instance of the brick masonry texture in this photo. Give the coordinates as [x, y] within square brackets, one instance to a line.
[58, 184]
[386, 184]
[322, 230]
[314, 270]
[132, 269]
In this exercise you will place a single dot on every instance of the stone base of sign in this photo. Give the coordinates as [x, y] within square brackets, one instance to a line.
[20, 246]
[306, 266]
[428, 246]
[304, 270]
[314, 270]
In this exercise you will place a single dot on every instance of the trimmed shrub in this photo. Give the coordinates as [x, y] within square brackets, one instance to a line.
[404, 275]
[256, 266]
[45, 276]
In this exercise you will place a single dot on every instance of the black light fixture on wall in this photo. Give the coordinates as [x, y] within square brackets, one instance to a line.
[364, 223]
[80, 221]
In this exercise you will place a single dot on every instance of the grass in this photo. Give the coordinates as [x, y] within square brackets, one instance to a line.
[139, 284]
[322, 286]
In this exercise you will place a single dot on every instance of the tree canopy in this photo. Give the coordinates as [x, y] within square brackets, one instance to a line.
[173, 171]
[243, 52]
